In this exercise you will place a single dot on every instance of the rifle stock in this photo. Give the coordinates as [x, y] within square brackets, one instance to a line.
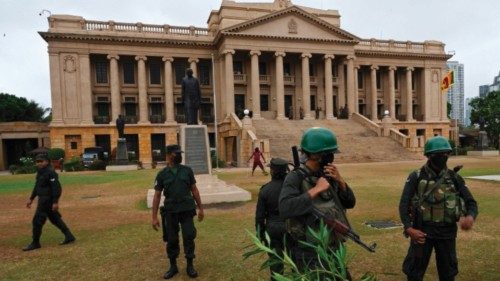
[342, 229]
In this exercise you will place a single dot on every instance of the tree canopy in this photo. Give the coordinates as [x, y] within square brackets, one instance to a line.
[14, 108]
[487, 107]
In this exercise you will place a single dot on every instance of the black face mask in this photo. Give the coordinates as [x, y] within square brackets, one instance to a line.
[326, 158]
[439, 161]
[177, 158]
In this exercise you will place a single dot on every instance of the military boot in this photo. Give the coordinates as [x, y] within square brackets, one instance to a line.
[191, 272]
[68, 239]
[172, 271]
[32, 246]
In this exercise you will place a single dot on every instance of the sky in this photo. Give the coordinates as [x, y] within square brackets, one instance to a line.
[470, 29]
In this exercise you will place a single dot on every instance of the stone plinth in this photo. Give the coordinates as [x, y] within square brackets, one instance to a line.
[194, 143]
[483, 153]
[212, 190]
[121, 152]
[114, 168]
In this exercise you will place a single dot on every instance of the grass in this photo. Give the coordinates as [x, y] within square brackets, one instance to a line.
[108, 214]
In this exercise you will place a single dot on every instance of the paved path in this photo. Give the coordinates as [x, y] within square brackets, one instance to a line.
[488, 178]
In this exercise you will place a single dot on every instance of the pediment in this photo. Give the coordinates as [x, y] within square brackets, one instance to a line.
[292, 22]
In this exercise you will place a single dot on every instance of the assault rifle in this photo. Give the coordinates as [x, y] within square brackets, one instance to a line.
[333, 224]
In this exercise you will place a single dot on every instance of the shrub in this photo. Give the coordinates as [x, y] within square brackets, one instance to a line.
[55, 153]
[13, 169]
[97, 165]
[74, 164]
[27, 166]
[222, 164]
[332, 266]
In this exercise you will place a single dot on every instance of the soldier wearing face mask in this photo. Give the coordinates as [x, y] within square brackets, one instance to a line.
[178, 184]
[316, 184]
[434, 199]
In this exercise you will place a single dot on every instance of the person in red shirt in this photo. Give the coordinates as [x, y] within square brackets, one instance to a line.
[256, 155]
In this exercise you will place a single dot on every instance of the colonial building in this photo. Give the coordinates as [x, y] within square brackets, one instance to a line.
[279, 60]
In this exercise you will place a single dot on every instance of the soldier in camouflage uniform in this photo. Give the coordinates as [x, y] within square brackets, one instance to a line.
[434, 198]
[316, 184]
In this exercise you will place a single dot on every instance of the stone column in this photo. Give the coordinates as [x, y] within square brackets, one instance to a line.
[350, 84]
[409, 95]
[228, 60]
[193, 63]
[306, 87]
[356, 90]
[255, 84]
[426, 105]
[143, 94]
[85, 90]
[392, 93]
[328, 87]
[373, 93]
[114, 87]
[169, 91]
[280, 87]
[55, 89]
[341, 87]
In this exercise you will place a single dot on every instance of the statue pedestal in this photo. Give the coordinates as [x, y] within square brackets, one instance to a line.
[482, 141]
[194, 143]
[482, 148]
[121, 152]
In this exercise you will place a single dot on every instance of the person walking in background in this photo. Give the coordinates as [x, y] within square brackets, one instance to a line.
[48, 190]
[257, 155]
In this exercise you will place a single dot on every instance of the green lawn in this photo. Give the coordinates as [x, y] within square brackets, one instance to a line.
[106, 210]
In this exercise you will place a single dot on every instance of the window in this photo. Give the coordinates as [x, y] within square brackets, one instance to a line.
[156, 109]
[379, 82]
[360, 80]
[287, 70]
[335, 71]
[204, 75]
[264, 102]
[103, 109]
[311, 69]
[180, 71]
[128, 72]
[74, 145]
[154, 73]
[130, 109]
[413, 80]
[238, 67]
[313, 102]
[262, 68]
[101, 72]
[396, 80]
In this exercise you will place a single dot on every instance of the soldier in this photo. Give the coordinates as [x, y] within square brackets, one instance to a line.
[316, 184]
[437, 198]
[267, 217]
[179, 187]
[48, 190]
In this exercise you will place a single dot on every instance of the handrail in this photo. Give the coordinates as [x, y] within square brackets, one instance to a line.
[93, 25]
[367, 123]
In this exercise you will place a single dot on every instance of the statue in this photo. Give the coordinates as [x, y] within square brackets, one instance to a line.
[120, 126]
[482, 121]
[191, 96]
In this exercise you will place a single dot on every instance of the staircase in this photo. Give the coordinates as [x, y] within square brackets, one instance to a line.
[356, 143]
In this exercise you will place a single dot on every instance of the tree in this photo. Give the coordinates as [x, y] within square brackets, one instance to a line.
[488, 107]
[14, 108]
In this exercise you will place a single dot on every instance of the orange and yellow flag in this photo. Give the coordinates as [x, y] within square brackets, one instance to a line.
[448, 80]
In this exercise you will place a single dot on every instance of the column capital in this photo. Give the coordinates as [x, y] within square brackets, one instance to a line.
[306, 55]
[113, 56]
[374, 67]
[193, 59]
[143, 58]
[392, 67]
[255, 52]
[228, 51]
[169, 59]
[357, 67]
[410, 68]
[329, 56]
[280, 54]
[350, 57]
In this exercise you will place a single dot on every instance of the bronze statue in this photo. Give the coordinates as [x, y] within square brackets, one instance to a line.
[120, 126]
[191, 96]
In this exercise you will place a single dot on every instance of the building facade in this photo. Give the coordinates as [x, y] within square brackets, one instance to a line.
[279, 60]
[468, 109]
[484, 90]
[456, 93]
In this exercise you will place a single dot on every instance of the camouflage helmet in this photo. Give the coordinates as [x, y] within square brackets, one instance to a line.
[436, 145]
[317, 139]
